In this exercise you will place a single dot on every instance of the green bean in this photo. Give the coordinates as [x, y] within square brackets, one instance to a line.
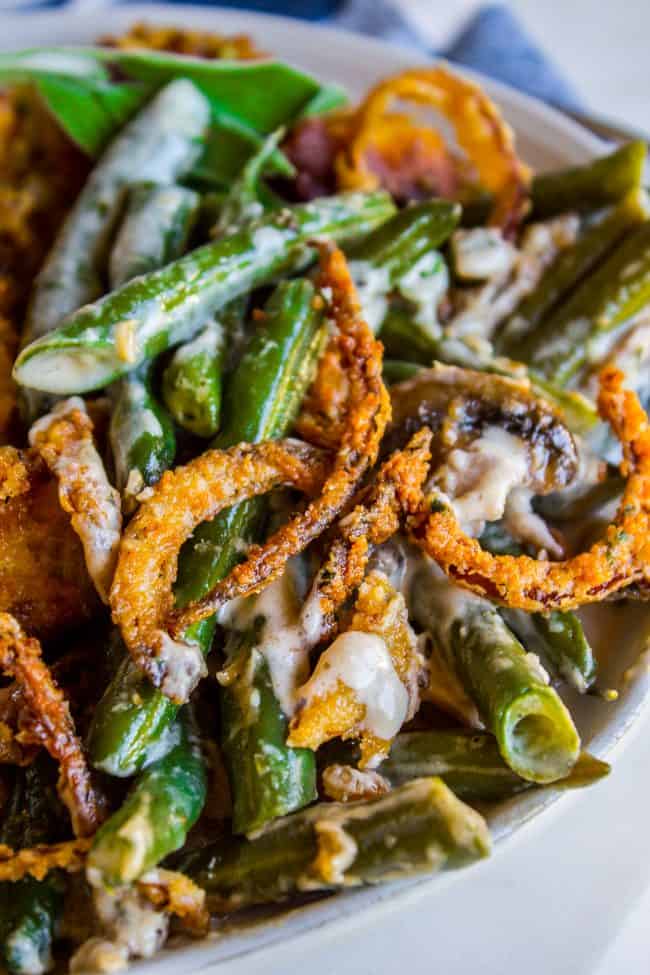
[192, 380]
[155, 230]
[31, 909]
[534, 730]
[560, 640]
[156, 816]
[558, 637]
[104, 340]
[401, 335]
[261, 401]
[401, 255]
[420, 827]
[31, 916]
[191, 385]
[161, 144]
[606, 299]
[397, 370]
[247, 199]
[569, 268]
[408, 236]
[469, 763]
[141, 433]
[596, 184]
[267, 778]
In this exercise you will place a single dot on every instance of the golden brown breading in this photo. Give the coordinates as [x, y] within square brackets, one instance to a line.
[396, 490]
[37, 861]
[43, 577]
[537, 585]
[45, 720]
[141, 597]
[64, 439]
[199, 44]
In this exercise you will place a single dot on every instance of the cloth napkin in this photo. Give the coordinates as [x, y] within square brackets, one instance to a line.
[487, 38]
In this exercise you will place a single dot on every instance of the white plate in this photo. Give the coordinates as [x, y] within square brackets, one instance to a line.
[546, 139]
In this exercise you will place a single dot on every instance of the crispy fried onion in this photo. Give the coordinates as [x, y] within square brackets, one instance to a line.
[14, 473]
[375, 129]
[334, 703]
[37, 861]
[367, 411]
[11, 750]
[622, 557]
[174, 893]
[395, 492]
[50, 724]
[141, 596]
[64, 439]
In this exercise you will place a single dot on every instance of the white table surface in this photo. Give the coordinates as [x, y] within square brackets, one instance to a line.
[602, 48]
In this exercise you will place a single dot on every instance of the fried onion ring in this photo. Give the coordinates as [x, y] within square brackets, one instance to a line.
[174, 893]
[367, 413]
[396, 491]
[37, 861]
[141, 596]
[64, 439]
[481, 132]
[50, 724]
[620, 558]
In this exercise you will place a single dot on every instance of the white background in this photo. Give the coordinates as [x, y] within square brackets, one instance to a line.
[602, 46]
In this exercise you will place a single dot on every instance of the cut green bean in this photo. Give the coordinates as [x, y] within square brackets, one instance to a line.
[30, 909]
[557, 637]
[606, 299]
[268, 779]
[560, 640]
[418, 828]
[160, 144]
[533, 728]
[192, 380]
[141, 434]
[156, 816]
[596, 184]
[155, 230]
[570, 266]
[191, 385]
[261, 402]
[104, 340]
[470, 764]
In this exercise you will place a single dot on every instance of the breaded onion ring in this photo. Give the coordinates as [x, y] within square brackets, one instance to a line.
[174, 893]
[64, 439]
[367, 413]
[50, 724]
[37, 861]
[620, 558]
[481, 132]
[395, 492]
[141, 596]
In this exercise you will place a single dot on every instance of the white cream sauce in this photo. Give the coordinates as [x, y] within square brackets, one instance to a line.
[373, 285]
[96, 514]
[478, 480]
[361, 662]
[425, 285]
